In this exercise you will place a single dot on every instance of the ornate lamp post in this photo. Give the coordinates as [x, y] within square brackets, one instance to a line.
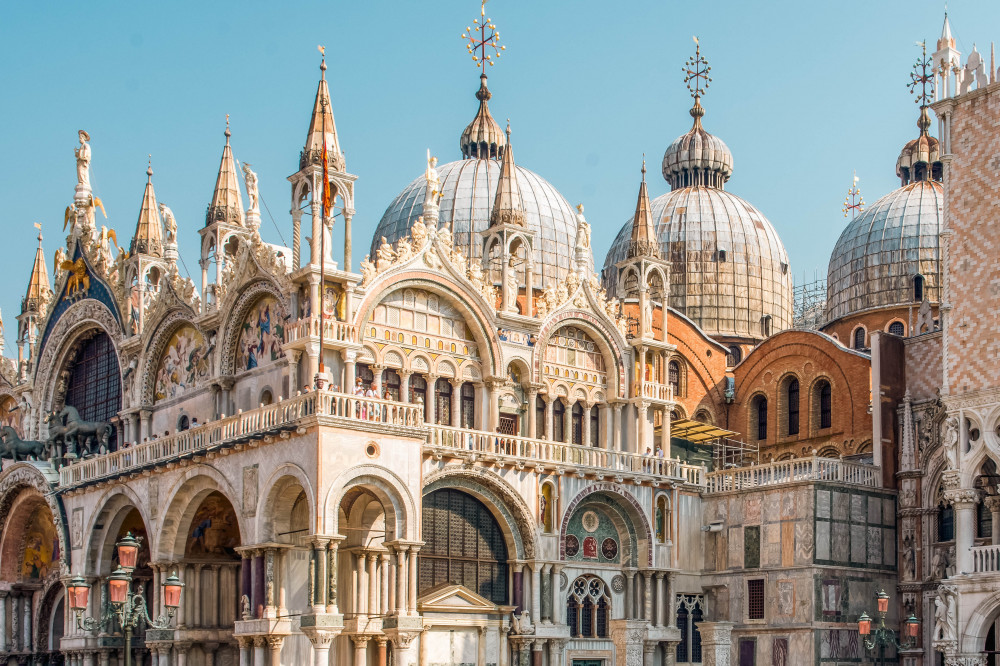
[883, 635]
[128, 607]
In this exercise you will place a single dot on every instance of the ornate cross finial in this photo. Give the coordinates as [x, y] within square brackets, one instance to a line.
[922, 76]
[854, 203]
[485, 46]
[696, 71]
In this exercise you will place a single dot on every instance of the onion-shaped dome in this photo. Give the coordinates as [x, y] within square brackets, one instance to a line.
[920, 158]
[697, 157]
[895, 243]
[729, 271]
[483, 137]
[468, 190]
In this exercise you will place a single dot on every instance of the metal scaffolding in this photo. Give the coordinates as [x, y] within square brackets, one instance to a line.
[809, 310]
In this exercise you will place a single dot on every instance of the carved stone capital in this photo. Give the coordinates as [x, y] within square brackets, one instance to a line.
[962, 496]
[992, 503]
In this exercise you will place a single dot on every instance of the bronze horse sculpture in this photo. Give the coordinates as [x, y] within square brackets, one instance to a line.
[19, 449]
[77, 433]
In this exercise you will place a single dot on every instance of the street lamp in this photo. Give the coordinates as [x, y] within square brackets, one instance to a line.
[128, 607]
[882, 635]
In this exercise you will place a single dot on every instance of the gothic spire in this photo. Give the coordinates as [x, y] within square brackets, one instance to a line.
[320, 128]
[227, 203]
[507, 206]
[38, 285]
[148, 238]
[643, 242]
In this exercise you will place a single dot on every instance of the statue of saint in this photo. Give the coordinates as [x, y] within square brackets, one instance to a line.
[433, 195]
[169, 223]
[582, 230]
[83, 161]
[250, 179]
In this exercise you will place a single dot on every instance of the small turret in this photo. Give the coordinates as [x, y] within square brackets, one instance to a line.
[507, 206]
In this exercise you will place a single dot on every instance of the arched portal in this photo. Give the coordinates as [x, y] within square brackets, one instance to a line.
[464, 545]
[89, 389]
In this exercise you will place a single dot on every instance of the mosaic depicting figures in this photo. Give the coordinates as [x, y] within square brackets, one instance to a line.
[261, 336]
[9, 414]
[41, 546]
[184, 365]
[214, 530]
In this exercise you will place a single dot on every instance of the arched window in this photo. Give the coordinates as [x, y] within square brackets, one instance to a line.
[825, 404]
[588, 608]
[859, 337]
[897, 328]
[734, 356]
[183, 423]
[94, 387]
[545, 507]
[539, 418]
[689, 614]
[464, 545]
[793, 407]
[558, 420]
[266, 397]
[674, 377]
[765, 326]
[945, 522]
[363, 372]
[442, 394]
[918, 288]
[760, 410]
[468, 406]
[390, 384]
[418, 391]
[662, 519]
[577, 423]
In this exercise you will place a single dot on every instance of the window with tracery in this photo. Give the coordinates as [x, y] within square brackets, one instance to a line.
[571, 353]
[94, 387]
[674, 377]
[588, 608]
[559, 420]
[468, 405]
[577, 423]
[689, 613]
[442, 394]
[793, 407]
[464, 545]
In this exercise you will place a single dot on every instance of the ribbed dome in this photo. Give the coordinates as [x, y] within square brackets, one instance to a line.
[728, 268]
[697, 157]
[879, 253]
[468, 191]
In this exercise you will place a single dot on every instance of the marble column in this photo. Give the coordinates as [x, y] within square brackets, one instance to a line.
[26, 643]
[332, 571]
[568, 422]
[586, 423]
[412, 576]
[629, 594]
[360, 649]
[532, 412]
[481, 645]
[3, 620]
[964, 500]
[246, 646]
[259, 651]
[993, 504]
[401, 579]
[384, 588]
[536, 591]
[321, 647]
[404, 385]
[181, 650]
[647, 594]
[361, 598]
[716, 642]
[381, 654]
[431, 399]
[616, 432]
[373, 607]
[648, 653]
[274, 644]
[548, 416]
[556, 595]
[536, 652]
[456, 403]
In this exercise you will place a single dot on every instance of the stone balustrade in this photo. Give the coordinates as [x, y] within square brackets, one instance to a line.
[794, 471]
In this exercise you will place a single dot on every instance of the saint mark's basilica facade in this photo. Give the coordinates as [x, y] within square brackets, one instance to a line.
[475, 446]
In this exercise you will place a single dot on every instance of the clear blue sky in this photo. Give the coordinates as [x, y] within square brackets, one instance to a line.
[803, 93]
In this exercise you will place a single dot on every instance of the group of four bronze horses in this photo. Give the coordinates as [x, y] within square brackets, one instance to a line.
[70, 436]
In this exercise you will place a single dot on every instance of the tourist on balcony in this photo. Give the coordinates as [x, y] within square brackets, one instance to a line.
[373, 411]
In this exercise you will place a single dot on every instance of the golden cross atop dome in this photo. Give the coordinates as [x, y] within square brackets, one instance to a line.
[854, 202]
[696, 71]
[922, 76]
[483, 40]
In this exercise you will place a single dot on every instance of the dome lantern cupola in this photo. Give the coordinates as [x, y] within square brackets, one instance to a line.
[920, 158]
[697, 158]
[482, 138]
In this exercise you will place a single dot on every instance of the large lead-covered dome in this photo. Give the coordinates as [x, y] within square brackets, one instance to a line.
[729, 272]
[882, 251]
[468, 192]
[468, 189]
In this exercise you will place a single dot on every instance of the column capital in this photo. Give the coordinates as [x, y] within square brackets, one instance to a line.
[992, 502]
[360, 640]
[962, 496]
[274, 641]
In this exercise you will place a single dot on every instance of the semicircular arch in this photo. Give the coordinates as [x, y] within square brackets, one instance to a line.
[386, 486]
[630, 508]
